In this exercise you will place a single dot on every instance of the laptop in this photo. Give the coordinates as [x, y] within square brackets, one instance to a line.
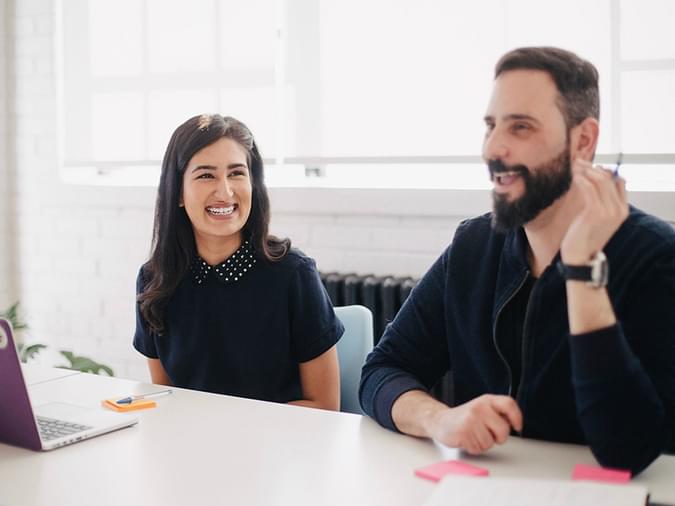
[50, 425]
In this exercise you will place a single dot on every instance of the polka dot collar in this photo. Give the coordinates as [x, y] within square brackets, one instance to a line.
[229, 271]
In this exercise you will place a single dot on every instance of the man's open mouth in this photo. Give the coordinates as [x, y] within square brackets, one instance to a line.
[506, 177]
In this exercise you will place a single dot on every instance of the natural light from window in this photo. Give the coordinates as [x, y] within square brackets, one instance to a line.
[383, 93]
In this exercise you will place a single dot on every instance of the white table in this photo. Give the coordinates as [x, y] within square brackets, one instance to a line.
[198, 448]
[34, 374]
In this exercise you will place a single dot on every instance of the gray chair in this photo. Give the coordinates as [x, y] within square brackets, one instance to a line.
[352, 348]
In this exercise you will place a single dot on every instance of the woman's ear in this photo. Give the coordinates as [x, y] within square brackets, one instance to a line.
[584, 139]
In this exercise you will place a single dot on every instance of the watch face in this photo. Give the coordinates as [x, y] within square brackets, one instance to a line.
[599, 270]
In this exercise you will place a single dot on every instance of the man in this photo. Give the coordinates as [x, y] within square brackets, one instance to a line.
[519, 308]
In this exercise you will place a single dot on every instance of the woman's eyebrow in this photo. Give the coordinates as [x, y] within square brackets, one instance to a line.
[204, 167]
[213, 167]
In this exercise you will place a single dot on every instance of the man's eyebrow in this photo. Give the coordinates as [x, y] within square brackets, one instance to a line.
[512, 117]
[520, 116]
[213, 167]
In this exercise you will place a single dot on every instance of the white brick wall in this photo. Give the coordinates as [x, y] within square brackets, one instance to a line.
[366, 244]
[7, 284]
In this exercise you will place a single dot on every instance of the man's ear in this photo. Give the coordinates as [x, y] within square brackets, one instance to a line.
[584, 139]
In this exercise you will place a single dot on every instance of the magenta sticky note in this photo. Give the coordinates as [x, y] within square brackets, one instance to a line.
[435, 472]
[597, 473]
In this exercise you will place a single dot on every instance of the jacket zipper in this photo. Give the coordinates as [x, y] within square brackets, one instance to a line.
[494, 330]
[523, 347]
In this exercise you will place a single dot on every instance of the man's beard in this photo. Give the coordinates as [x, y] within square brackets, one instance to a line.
[543, 186]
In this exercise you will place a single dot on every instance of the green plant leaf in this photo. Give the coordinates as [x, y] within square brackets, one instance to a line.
[12, 314]
[84, 364]
[27, 353]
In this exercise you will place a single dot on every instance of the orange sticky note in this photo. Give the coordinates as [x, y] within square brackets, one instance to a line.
[435, 472]
[132, 406]
[597, 473]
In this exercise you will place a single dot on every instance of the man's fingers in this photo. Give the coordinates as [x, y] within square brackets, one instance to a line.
[601, 179]
[603, 182]
[612, 201]
[473, 446]
[597, 178]
[481, 439]
[508, 408]
[621, 188]
[499, 426]
[481, 423]
[485, 437]
[587, 189]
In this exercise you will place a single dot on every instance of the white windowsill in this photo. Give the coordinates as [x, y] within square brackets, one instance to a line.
[346, 201]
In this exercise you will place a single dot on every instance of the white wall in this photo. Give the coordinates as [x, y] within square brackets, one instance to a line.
[76, 249]
[6, 244]
[69, 259]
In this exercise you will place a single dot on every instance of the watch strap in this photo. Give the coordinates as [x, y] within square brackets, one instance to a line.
[576, 272]
[596, 274]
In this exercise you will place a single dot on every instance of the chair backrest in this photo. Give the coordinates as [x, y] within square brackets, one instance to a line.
[352, 348]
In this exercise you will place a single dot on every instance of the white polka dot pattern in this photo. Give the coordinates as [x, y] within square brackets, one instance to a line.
[229, 271]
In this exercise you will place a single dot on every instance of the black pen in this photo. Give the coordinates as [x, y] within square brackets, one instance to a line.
[615, 173]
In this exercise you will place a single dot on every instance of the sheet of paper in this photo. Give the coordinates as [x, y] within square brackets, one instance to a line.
[463, 490]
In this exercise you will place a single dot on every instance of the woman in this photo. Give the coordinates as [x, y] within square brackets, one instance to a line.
[222, 305]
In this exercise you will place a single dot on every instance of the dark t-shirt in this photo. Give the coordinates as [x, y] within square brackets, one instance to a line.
[244, 338]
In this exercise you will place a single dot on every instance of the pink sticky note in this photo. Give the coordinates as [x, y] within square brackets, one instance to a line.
[435, 472]
[597, 473]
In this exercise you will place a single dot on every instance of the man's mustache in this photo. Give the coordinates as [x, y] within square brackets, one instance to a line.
[497, 166]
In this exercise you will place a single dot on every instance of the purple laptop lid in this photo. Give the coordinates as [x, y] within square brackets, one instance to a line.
[17, 423]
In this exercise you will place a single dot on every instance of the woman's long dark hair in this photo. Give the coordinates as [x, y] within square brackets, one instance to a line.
[173, 243]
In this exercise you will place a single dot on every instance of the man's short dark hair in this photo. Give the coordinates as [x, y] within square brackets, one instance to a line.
[575, 78]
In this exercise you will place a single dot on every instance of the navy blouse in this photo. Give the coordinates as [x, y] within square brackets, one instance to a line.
[242, 327]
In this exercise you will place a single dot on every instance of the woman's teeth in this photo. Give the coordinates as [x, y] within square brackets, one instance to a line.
[220, 211]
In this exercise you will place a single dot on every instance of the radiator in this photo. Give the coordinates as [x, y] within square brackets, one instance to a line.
[383, 295]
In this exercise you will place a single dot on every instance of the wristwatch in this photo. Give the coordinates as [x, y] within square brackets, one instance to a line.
[595, 273]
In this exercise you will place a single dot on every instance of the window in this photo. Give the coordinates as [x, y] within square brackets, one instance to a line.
[134, 70]
[384, 92]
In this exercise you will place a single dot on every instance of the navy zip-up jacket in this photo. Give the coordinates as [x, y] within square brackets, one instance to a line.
[612, 389]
